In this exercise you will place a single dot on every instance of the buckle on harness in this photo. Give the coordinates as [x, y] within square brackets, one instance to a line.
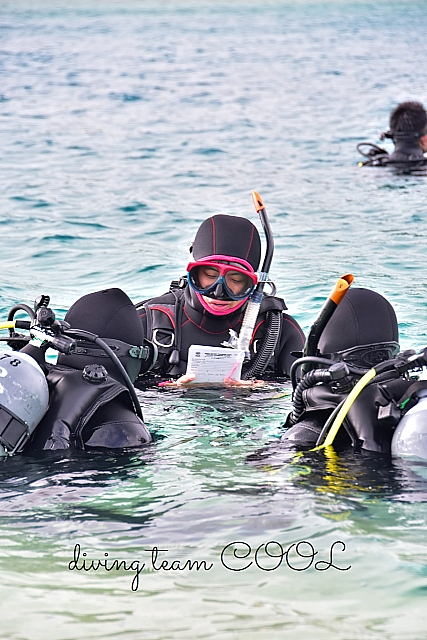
[142, 353]
[161, 344]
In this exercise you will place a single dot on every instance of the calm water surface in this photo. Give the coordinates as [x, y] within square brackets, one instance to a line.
[124, 125]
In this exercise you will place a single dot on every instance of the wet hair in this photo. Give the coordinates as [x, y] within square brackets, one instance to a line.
[408, 117]
[228, 236]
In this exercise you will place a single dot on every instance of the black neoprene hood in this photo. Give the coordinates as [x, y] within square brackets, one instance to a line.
[362, 317]
[228, 236]
[109, 314]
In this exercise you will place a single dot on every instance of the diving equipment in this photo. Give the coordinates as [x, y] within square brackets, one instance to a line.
[410, 437]
[24, 399]
[406, 155]
[24, 392]
[242, 341]
[194, 312]
[222, 277]
[224, 239]
[325, 314]
[370, 405]
[81, 402]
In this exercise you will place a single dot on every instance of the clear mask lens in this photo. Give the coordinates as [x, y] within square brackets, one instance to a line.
[222, 282]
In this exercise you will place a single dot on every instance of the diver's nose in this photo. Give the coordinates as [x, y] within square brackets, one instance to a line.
[219, 291]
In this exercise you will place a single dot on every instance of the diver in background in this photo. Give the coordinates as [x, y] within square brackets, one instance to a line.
[212, 299]
[408, 130]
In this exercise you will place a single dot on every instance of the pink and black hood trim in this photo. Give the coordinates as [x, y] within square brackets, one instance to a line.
[227, 238]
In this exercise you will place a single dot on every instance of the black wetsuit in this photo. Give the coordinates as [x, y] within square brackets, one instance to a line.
[161, 316]
[406, 157]
[369, 424]
[406, 151]
[88, 414]
[177, 320]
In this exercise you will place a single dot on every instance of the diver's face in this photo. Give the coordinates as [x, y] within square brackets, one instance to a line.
[236, 281]
[423, 143]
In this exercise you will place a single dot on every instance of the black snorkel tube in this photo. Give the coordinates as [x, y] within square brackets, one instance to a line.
[242, 341]
[310, 348]
[260, 209]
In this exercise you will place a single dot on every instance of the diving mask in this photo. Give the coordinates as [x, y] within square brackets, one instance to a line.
[225, 280]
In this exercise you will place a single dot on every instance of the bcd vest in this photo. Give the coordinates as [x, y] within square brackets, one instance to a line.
[164, 319]
[88, 408]
[373, 416]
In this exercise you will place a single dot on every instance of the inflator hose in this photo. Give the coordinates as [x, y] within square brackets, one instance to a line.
[272, 332]
[309, 380]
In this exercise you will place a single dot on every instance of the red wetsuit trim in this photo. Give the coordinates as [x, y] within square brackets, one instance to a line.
[287, 319]
[199, 326]
[167, 312]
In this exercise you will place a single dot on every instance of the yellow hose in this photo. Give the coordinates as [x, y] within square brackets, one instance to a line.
[7, 325]
[363, 382]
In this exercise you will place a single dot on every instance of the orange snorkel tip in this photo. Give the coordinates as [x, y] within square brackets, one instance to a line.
[342, 286]
[257, 200]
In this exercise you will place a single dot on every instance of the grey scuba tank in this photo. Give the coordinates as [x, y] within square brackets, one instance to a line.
[410, 437]
[24, 399]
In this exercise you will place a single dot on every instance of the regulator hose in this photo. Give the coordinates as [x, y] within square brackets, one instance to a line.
[309, 380]
[338, 372]
[21, 307]
[259, 362]
[314, 360]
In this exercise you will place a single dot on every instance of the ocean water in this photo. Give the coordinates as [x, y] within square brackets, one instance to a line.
[124, 124]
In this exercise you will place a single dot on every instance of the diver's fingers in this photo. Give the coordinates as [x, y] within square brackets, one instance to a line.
[185, 379]
[230, 382]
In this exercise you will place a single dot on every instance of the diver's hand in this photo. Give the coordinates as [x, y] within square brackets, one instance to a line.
[245, 384]
[186, 379]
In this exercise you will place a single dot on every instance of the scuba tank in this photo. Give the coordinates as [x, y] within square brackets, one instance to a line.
[24, 391]
[24, 399]
[410, 437]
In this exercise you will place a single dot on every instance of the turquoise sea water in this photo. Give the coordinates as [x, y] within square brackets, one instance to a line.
[124, 125]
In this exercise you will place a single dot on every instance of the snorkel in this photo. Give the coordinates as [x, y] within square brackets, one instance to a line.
[337, 294]
[310, 355]
[242, 341]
